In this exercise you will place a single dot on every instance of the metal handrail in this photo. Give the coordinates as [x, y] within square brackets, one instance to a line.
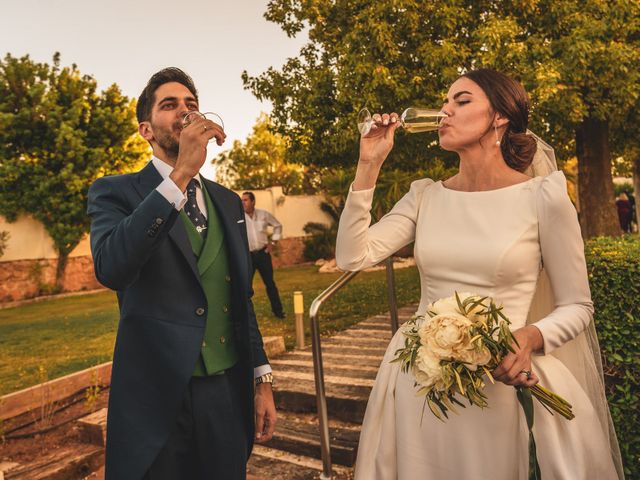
[318, 370]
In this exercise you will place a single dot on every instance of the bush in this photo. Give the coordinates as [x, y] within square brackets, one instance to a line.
[4, 240]
[614, 276]
[618, 188]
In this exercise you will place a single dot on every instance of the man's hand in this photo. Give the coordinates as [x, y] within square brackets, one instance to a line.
[193, 149]
[268, 248]
[265, 413]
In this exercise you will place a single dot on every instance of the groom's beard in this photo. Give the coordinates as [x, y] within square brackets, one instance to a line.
[166, 139]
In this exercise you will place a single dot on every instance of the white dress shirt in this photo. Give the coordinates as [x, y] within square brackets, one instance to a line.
[257, 224]
[169, 190]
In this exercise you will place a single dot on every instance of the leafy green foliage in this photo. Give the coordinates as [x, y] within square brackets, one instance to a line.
[260, 163]
[57, 135]
[4, 239]
[576, 58]
[618, 188]
[336, 183]
[614, 276]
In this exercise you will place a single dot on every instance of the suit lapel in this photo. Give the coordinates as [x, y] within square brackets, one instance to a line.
[148, 179]
[213, 242]
[228, 219]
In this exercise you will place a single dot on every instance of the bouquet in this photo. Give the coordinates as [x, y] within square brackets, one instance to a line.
[454, 350]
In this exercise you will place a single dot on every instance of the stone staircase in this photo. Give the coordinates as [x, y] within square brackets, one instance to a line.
[350, 358]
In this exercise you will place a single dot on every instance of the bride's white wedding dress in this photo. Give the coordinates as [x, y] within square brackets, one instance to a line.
[489, 243]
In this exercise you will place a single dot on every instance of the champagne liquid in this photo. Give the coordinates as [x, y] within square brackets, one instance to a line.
[422, 125]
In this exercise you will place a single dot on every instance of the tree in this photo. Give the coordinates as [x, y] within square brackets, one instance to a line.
[57, 135]
[577, 59]
[260, 163]
[627, 136]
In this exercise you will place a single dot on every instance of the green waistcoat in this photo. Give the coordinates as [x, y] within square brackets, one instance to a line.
[218, 351]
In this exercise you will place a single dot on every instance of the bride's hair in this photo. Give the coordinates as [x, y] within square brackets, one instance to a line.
[508, 98]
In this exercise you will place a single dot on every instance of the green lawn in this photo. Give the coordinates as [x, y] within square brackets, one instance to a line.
[49, 339]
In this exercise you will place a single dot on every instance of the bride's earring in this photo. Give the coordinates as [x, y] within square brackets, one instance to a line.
[495, 129]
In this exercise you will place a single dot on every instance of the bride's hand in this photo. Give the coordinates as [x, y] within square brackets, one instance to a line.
[376, 145]
[512, 370]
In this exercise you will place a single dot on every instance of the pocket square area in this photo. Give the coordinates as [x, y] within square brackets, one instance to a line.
[240, 221]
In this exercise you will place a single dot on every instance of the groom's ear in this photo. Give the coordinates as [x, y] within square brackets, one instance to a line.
[144, 129]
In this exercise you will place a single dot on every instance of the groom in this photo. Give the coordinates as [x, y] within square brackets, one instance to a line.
[191, 384]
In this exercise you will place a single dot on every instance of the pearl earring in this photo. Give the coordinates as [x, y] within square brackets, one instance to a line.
[495, 129]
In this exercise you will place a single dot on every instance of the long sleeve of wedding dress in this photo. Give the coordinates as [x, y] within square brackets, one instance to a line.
[563, 258]
[358, 246]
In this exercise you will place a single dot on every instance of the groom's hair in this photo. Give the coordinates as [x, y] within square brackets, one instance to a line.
[148, 95]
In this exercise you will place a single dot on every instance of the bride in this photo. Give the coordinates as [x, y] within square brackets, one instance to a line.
[488, 230]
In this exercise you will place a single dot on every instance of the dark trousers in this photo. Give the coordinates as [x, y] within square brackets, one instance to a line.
[262, 262]
[209, 439]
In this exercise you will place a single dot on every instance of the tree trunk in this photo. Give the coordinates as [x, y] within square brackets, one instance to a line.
[63, 258]
[598, 214]
[636, 187]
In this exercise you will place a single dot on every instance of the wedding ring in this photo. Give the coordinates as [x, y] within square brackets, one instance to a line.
[205, 128]
[527, 373]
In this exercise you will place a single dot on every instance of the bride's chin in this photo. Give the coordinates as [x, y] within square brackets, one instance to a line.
[444, 145]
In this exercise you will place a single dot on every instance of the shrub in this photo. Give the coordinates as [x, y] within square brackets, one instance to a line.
[618, 188]
[614, 276]
[4, 239]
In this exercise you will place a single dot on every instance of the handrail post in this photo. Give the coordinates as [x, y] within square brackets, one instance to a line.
[321, 400]
[391, 294]
[318, 372]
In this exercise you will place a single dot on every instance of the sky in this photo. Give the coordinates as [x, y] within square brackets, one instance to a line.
[125, 42]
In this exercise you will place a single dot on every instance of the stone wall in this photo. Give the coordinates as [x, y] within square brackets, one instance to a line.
[288, 251]
[21, 279]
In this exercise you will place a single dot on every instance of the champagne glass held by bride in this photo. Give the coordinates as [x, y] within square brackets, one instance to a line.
[413, 120]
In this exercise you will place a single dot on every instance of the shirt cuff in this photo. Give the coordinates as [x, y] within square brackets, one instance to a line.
[276, 236]
[261, 370]
[169, 190]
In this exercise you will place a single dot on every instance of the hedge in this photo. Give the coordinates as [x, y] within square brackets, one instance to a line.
[614, 276]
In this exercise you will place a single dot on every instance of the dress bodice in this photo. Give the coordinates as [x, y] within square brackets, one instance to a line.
[489, 243]
[484, 243]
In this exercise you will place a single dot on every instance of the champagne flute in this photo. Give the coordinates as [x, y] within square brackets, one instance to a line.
[413, 120]
[189, 117]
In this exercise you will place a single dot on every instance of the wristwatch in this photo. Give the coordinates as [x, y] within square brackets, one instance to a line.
[266, 378]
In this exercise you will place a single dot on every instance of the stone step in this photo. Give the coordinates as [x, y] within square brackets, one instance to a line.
[299, 434]
[329, 346]
[384, 335]
[366, 325]
[333, 372]
[353, 358]
[93, 428]
[270, 464]
[68, 463]
[345, 401]
[330, 365]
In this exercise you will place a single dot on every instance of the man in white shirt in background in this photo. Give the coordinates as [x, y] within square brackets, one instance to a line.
[257, 221]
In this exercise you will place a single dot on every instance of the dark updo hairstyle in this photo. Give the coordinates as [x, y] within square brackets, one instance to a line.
[508, 98]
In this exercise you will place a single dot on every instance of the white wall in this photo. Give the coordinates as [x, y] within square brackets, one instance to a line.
[29, 240]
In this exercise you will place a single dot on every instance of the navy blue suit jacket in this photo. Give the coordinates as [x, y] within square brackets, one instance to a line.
[142, 251]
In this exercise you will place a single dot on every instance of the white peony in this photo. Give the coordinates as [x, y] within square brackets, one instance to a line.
[426, 368]
[475, 357]
[446, 334]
